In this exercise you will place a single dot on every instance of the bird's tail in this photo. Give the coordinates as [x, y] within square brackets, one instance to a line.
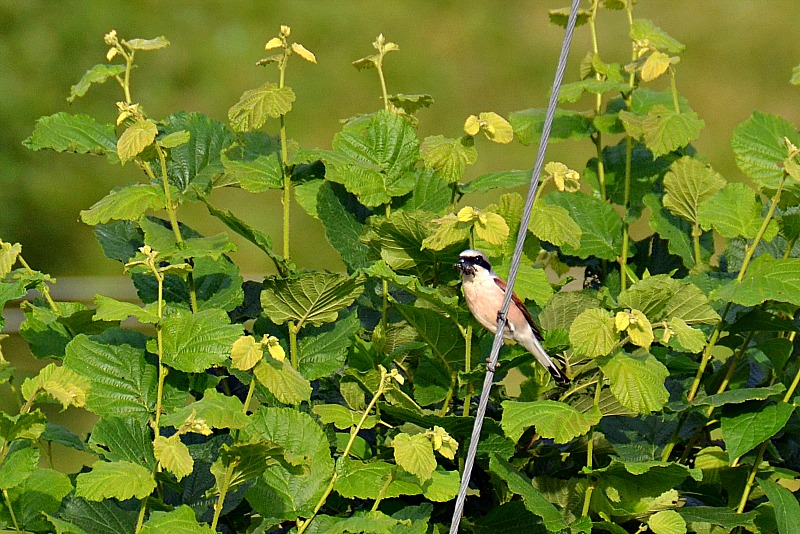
[535, 347]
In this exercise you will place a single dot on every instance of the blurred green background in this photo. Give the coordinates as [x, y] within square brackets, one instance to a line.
[470, 56]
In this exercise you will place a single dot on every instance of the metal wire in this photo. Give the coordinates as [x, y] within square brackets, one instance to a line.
[512, 274]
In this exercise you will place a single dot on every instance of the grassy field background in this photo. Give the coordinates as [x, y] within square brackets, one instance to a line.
[471, 56]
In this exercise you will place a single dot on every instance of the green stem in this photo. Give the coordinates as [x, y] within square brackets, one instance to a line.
[450, 393]
[674, 86]
[379, 68]
[751, 478]
[11, 510]
[162, 370]
[597, 138]
[353, 434]
[293, 344]
[587, 499]
[383, 490]
[140, 519]
[44, 289]
[249, 398]
[623, 261]
[752, 248]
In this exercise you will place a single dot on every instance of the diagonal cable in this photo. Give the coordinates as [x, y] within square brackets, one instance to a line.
[512, 274]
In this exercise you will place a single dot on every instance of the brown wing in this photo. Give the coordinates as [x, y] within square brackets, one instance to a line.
[516, 300]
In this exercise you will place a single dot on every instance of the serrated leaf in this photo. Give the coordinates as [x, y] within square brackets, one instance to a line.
[654, 66]
[535, 502]
[121, 382]
[342, 227]
[411, 103]
[108, 309]
[414, 454]
[360, 479]
[126, 203]
[554, 225]
[181, 520]
[94, 517]
[746, 426]
[323, 353]
[564, 307]
[196, 342]
[41, 493]
[173, 455]
[690, 339]
[303, 52]
[283, 381]
[725, 517]
[646, 30]
[497, 180]
[600, 225]
[20, 464]
[592, 333]
[667, 522]
[638, 383]
[491, 227]
[663, 129]
[431, 193]
[688, 183]
[64, 385]
[124, 439]
[572, 92]
[156, 43]
[449, 157]
[135, 139]
[8, 257]
[552, 419]
[440, 334]
[81, 134]
[766, 279]
[676, 231]
[341, 417]
[257, 105]
[528, 125]
[117, 480]
[215, 409]
[246, 353]
[375, 159]
[314, 298]
[254, 170]
[638, 328]
[787, 509]
[759, 147]
[733, 212]
[97, 74]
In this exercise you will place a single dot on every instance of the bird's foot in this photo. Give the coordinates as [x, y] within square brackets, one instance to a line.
[491, 367]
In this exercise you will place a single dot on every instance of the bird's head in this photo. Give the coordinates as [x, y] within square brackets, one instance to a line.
[471, 261]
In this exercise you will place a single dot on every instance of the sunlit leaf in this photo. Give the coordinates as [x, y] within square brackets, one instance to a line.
[129, 202]
[81, 134]
[135, 139]
[646, 30]
[157, 43]
[97, 74]
[637, 382]
[181, 520]
[688, 183]
[759, 147]
[766, 279]
[196, 342]
[117, 480]
[215, 410]
[600, 225]
[59, 382]
[283, 381]
[448, 156]
[552, 419]
[257, 105]
[414, 454]
[553, 224]
[592, 333]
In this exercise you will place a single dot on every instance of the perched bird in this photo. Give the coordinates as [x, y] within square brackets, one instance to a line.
[484, 292]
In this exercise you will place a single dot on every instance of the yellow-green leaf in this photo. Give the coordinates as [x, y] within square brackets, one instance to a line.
[8, 257]
[492, 228]
[66, 386]
[553, 224]
[135, 139]
[257, 105]
[246, 353]
[173, 455]
[283, 381]
[118, 480]
[449, 157]
[592, 333]
[156, 43]
[667, 522]
[303, 52]
[414, 454]
[552, 419]
[654, 66]
[637, 382]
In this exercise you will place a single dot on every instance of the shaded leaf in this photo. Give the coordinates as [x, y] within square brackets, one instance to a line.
[529, 123]
[688, 183]
[81, 134]
[787, 509]
[744, 427]
[600, 225]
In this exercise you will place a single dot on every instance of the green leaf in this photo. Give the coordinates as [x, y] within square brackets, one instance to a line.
[440, 334]
[738, 396]
[41, 493]
[341, 417]
[8, 257]
[283, 381]
[661, 297]
[281, 493]
[766, 279]
[256, 174]
[109, 309]
[552, 419]
[196, 342]
[374, 159]
[342, 227]
[314, 298]
[20, 464]
[414, 454]
[411, 103]
[688, 183]
[745, 426]
[94, 517]
[157, 43]
[175, 139]
[733, 212]
[173, 455]
[81, 134]
[690, 339]
[97, 74]
[564, 308]
[535, 502]
[126, 203]
[135, 139]
[216, 409]
[529, 123]
[667, 522]
[323, 353]
[531, 284]
[759, 147]
[572, 92]
[123, 439]
[431, 193]
[257, 105]
[181, 520]
[600, 225]
[362, 480]
[637, 382]
[491, 227]
[554, 225]
[592, 333]
[412, 285]
[23, 426]
[449, 157]
[121, 382]
[59, 382]
[787, 509]
[646, 30]
[663, 129]
[246, 353]
[197, 161]
[724, 517]
[117, 480]
[676, 231]
[654, 66]
[497, 180]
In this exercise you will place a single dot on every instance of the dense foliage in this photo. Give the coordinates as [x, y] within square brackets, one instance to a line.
[327, 402]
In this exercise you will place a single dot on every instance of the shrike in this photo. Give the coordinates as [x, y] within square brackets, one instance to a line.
[484, 292]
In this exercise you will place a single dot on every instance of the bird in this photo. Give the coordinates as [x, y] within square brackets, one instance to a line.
[484, 292]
